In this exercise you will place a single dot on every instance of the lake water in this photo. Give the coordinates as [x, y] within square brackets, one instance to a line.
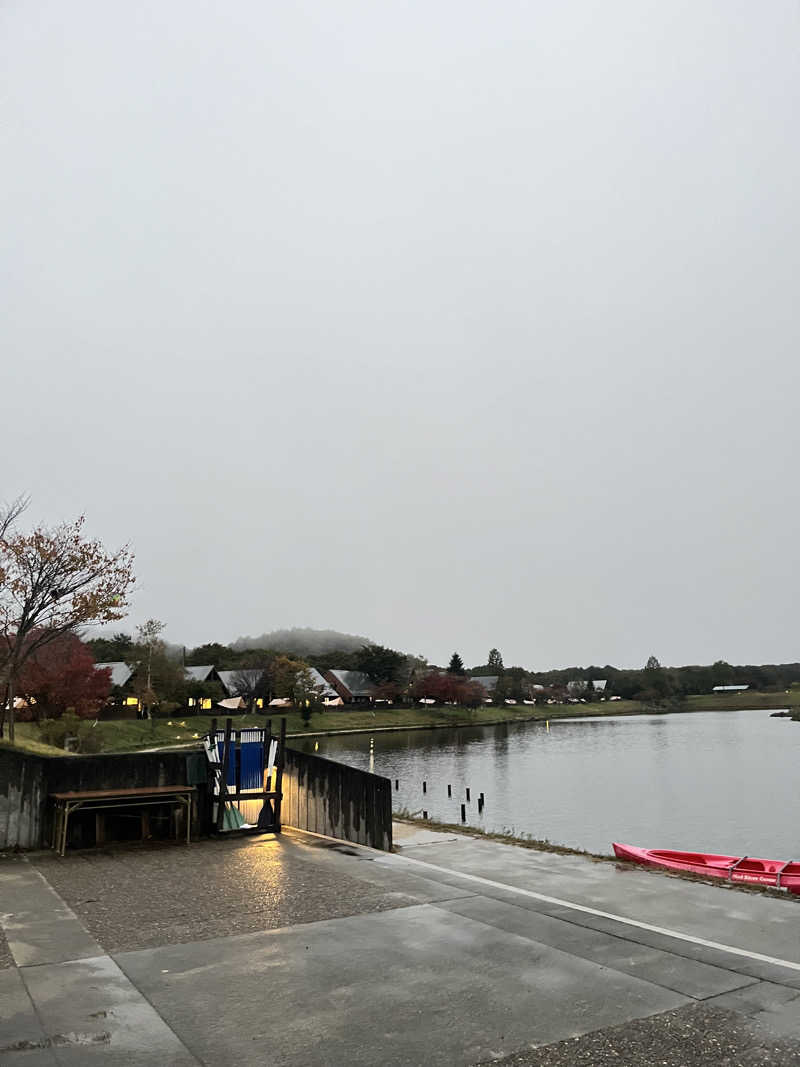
[710, 781]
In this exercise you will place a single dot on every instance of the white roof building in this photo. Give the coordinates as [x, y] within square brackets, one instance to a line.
[120, 671]
[240, 681]
[198, 674]
[326, 690]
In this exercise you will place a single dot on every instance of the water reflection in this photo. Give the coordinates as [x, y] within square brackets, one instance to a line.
[716, 781]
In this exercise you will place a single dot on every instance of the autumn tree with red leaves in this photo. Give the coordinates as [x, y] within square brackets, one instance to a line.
[62, 675]
[390, 691]
[449, 689]
[53, 581]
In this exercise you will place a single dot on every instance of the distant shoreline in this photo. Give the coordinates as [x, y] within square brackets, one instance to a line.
[560, 716]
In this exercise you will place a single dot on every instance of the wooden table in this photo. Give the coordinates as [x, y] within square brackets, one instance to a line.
[107, 799]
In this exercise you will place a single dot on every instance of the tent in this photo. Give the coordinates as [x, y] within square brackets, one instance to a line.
[231, 703]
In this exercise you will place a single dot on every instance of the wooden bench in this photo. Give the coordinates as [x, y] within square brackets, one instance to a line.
[99, 800]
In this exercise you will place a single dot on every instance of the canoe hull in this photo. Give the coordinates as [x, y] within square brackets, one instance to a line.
[749, 870]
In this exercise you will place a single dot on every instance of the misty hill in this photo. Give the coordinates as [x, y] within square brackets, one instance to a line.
[304, 641]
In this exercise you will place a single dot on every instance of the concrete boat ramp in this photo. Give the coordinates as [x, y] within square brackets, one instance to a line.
[302, 950]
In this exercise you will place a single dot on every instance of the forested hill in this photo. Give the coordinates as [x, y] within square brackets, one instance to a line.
[304, 641]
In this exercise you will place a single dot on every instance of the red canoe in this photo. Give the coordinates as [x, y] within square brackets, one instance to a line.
[782, 875]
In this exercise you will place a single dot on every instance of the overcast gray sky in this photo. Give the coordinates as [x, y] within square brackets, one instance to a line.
[453, 323]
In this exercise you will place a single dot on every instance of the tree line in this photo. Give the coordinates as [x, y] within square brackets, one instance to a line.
[55, 582]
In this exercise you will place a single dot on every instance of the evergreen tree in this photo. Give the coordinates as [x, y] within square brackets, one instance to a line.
[456, 665]
[110, 649]
[495, 660]
[381, 664]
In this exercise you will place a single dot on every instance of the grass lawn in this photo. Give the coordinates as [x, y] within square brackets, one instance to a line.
[27, 739]
[126, 736]
[743, 701]
[130, 735]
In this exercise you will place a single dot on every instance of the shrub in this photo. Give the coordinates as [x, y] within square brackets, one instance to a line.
[168, 709]
[53, 732]
[90, 740]
[56, 731]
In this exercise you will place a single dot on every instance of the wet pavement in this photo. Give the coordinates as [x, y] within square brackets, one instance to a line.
[299, 950]
[136, 897]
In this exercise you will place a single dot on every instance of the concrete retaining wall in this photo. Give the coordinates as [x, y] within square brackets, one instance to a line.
[26, 781]
[319, 795]
[329, 798]
[23, 795]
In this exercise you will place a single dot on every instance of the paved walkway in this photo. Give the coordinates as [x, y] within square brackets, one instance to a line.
[456, 951]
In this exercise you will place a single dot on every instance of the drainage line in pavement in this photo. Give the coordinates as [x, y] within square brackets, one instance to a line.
[604, 914]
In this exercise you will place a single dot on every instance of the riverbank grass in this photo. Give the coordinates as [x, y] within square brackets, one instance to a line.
[133, 735]
[27, 740]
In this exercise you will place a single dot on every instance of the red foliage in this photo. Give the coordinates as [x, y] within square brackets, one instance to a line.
[387, 691]
[449, 689]
[62, 675]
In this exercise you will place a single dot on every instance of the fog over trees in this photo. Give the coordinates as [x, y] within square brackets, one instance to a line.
[304, 641]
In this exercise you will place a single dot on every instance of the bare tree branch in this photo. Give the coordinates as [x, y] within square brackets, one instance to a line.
[9, 513]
